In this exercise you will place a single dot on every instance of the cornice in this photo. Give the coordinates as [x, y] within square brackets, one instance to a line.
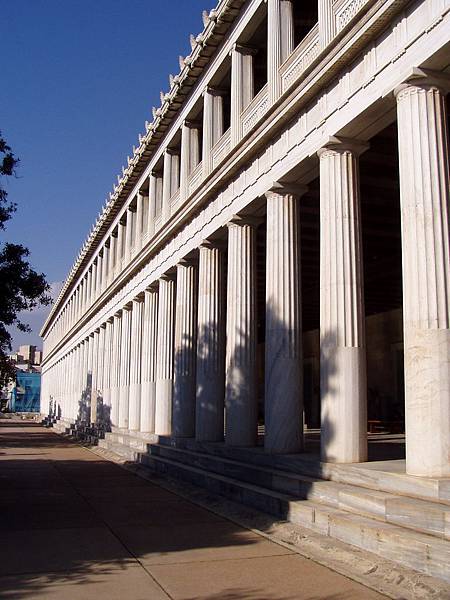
[216, 25]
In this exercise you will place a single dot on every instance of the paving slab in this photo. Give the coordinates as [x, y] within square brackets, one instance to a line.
[77, 527]
[289, 577]
[131, 582]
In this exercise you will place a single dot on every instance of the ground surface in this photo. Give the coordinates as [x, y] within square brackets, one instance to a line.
[76, 526]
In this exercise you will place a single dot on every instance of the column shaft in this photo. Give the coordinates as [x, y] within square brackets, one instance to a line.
[343, 384]
[240, 392]
[115, 369]
[164, 370]
[210, 345]
[124, 383]
[135, 366]
[185, 351]
[283, 372]
[424, 197]
[149, 355]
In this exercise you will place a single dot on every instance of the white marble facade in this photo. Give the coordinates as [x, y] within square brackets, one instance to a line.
[155, 329]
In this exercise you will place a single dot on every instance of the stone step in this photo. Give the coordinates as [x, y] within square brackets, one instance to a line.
[428, 517]
[387, 476]
[130, 454]
[135, 440]
[422, 552]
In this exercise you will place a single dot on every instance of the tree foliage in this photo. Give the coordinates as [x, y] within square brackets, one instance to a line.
[21, 288]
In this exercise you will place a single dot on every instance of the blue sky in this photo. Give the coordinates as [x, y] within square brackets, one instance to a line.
[78, 80]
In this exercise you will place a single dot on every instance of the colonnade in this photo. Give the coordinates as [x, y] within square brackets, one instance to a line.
[180, 359]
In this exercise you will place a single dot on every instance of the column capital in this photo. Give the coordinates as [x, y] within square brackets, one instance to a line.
[282, 189]
[212, 244]
[139, 298]
[192, 124]
[214, 91]
[425, 79]
[244, 220]
[340, 145]
[153, 287]
[243, 49]
[166, 277]
[187, 262]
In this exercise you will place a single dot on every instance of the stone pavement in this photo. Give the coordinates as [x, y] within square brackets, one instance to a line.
[74, 526]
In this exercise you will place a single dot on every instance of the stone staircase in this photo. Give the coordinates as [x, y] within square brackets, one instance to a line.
[399, 517]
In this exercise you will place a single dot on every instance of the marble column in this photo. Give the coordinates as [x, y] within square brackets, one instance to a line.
[135, 365]
[274, 50]
[327, 29]
[138, 222]
[152, 201]
[115, 368]
[105, 268]
[240, 391]
[100, 363]
[167, 184]
[190, 155]
[210, 376]
[208, 131]
[183, 416]
[107, 368]
[124, 379]
[112, 262]
[212, 125]
[120, 247]
[242, 87]
[98, 282]
[129, 235]
[164, 367]
[343, 383]
[284, 365]
[424, 198]
[287, 28]
[149, 356]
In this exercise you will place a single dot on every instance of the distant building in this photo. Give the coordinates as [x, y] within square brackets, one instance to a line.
[24, 394]
[28, 352]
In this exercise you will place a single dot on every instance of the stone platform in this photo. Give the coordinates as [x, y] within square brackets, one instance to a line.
[374, 506]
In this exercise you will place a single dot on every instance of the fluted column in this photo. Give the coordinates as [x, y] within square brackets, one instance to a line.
[185, 350]
[424, 198]
[112, 262]
[185, 158]
[135, 365]
[115, 368]
[327, 28]
[343, 384]
[240, 392]
[107, 373]
[100, 372]
[138, 223]
[274, 50]
[152, 200]
[167, 184]
[120, 247]
[283, 372]
[124, 382]
[149, 356]
[242, 87]
[129, 235]
[105, 268]
[287, 29]
[210, 375]
[212, 125]
[208, 130]
[98, 282]
[164, 368]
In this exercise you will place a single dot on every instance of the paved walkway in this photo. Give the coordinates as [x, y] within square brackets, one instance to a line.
[75, 526]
